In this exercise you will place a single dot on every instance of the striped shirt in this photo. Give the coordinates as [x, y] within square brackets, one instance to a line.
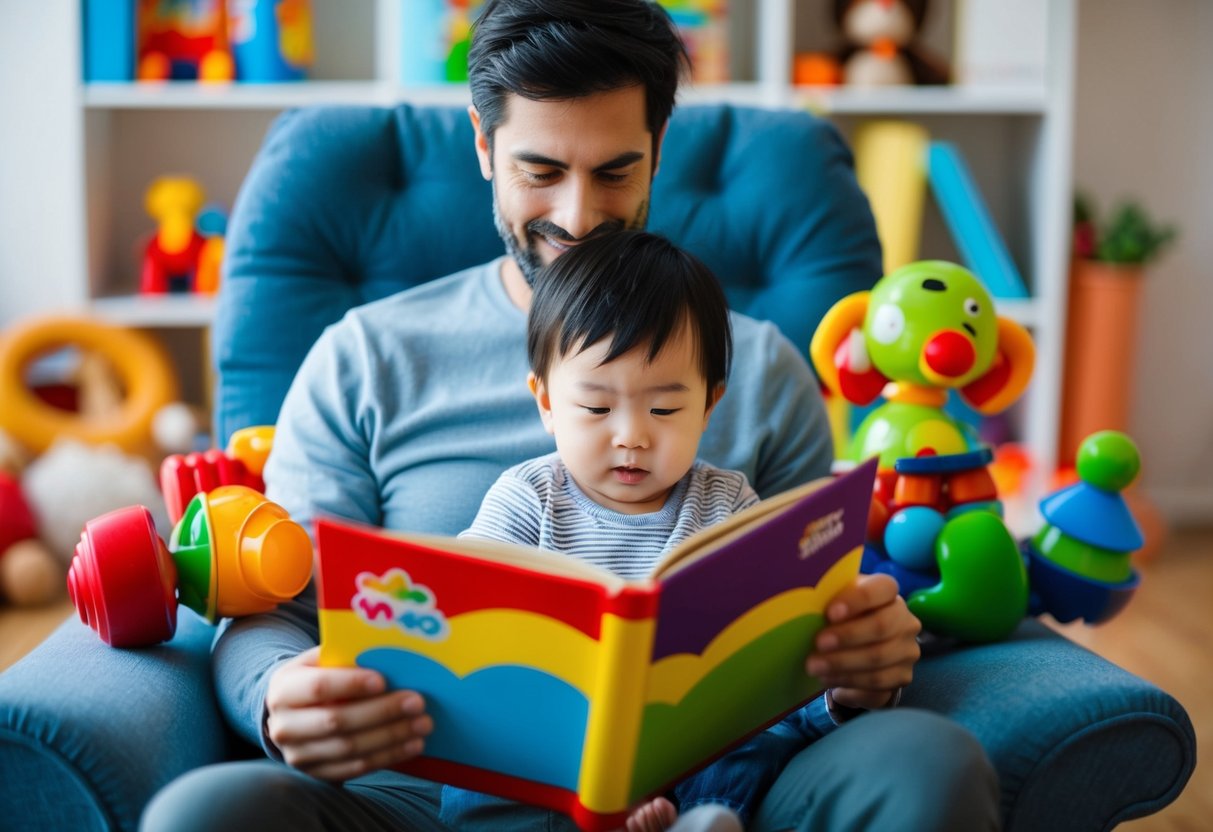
[537, 503]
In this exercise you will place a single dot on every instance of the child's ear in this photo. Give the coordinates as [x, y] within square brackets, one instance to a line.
[542, 400]
[713, 400]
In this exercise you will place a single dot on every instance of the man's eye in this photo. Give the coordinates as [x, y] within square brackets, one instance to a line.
[535, 176]
[613, 178]
[664, 411]
[599, 411]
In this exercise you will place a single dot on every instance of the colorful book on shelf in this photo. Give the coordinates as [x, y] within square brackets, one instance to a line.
[890, 156]
[968, 219]
[553, 682]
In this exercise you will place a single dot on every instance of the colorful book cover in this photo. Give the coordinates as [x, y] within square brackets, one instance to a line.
[556, 683]
[973, 230]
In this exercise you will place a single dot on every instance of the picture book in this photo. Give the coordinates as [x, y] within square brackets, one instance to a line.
[554, 682]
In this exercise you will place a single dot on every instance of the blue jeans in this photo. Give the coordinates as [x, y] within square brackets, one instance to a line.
[897, 769]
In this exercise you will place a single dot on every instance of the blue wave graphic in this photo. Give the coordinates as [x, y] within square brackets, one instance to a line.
[523, 722]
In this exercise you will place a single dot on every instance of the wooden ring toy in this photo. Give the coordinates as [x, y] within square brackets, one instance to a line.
[145, 372]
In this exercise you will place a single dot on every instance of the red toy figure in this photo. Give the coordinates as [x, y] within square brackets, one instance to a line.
[170, 260]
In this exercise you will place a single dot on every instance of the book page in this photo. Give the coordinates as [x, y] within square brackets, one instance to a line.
[708, 540]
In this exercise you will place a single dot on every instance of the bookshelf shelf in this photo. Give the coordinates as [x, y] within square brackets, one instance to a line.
[99, 145]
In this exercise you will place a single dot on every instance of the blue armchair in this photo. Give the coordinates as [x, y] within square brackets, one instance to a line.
[345, 205]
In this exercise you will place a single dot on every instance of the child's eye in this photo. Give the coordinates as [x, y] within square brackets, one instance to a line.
[599, 411]
[664, 411]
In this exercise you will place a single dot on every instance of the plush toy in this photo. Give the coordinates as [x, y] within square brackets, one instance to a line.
[881, 48]
[29, 573]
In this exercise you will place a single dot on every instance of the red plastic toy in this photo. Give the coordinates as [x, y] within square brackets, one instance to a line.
[232, 552]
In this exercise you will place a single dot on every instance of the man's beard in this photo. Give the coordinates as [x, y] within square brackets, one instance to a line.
[527, 256]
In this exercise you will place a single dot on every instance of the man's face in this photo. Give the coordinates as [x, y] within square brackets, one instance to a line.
[564, 171]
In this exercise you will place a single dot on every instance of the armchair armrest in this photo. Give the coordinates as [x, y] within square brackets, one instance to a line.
[1078, 742]
[88, 733]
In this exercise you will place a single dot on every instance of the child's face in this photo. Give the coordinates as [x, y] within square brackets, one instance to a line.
[629, 430]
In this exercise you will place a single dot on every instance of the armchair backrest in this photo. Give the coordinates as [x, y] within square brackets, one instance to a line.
[344, 205]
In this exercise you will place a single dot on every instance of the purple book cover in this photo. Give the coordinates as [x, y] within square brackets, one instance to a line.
[793, 549]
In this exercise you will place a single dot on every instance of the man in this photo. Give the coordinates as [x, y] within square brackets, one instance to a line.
[405, 412]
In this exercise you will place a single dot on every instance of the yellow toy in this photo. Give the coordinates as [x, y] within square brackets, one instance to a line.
[145, 374]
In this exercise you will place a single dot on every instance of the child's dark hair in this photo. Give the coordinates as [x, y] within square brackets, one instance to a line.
[549, 50]
[638, 289]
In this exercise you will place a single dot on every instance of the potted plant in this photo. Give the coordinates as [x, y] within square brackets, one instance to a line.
[1110, 257]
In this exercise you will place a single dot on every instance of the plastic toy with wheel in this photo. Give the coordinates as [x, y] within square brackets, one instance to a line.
[923, 330]
[144, 371]
[184, 41]
[232, 552]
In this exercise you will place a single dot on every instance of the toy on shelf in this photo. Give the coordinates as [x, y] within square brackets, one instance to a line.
[435, 38]
[145, 382]
[881, 47]
[183, 40]
[271, 40]
[703, 26]
[185, 253]
[1078, 562]
[232, 552]
[211, 226]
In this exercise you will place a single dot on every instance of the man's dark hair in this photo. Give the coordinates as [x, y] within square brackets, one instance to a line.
[551, 50]
[636, 288]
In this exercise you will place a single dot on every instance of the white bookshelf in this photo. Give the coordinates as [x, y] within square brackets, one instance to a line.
[71, 213]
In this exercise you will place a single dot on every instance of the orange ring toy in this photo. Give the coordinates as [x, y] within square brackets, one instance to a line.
[147, 378]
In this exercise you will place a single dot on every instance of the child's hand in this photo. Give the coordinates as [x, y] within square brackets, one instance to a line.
[337, 723]
[869, 646]
[655, 816]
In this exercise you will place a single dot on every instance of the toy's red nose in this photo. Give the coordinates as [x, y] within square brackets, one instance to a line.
[949, 353]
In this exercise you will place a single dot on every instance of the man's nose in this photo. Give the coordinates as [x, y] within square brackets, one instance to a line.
[577, 210]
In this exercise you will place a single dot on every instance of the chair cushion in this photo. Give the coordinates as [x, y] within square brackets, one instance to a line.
[345, 205]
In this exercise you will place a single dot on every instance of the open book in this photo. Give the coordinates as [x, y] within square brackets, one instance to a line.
[557, 683]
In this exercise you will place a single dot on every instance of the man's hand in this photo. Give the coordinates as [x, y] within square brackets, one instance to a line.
[337, 723]
[869, 645]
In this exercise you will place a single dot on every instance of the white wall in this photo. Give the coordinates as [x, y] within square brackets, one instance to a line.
[40, 263]
[1144, 128]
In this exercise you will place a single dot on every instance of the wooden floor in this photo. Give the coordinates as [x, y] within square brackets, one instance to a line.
[1165, 635]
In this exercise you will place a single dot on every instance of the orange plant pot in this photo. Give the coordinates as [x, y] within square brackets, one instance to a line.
[1101, 349]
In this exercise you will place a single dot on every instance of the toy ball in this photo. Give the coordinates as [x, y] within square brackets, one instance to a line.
[909, 538]
[174, 428]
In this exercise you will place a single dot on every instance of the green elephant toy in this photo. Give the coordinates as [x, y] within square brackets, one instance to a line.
[923, 330]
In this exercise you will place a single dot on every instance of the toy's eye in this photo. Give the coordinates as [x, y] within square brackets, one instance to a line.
[972, 307]
[888, 323]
